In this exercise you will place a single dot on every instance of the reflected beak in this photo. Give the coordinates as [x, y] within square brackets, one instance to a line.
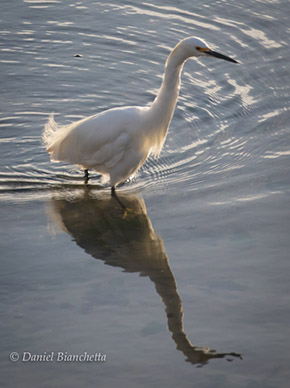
[218, 55]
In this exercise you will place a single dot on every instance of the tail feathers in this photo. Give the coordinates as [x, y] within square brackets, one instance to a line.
[53, 135]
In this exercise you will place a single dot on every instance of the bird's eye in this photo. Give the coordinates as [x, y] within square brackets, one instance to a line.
[198, 48]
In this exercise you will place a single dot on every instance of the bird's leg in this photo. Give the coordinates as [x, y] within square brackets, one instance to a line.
[86, 176]
[114, 195]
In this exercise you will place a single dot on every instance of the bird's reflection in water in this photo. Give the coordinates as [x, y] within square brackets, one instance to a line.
[96, 224]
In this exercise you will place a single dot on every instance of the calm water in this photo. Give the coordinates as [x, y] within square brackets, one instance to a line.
[199, 273]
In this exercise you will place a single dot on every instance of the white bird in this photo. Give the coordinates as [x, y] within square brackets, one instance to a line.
[117, 141]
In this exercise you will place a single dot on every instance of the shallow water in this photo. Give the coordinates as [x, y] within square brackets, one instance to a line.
[209, 233]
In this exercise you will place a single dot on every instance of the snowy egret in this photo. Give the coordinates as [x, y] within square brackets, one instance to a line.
[117, 141]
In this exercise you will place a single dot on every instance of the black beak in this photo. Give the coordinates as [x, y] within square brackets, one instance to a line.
[218, 55]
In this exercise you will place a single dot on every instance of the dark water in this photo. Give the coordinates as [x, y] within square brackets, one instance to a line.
[209, 230]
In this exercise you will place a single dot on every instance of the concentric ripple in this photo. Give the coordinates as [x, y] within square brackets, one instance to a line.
[231, 121]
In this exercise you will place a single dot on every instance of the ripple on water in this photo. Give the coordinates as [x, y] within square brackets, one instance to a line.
[222, 113]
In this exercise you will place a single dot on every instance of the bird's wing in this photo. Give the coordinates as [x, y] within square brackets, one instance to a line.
[98, 142]
[111, 142]
[106, 155]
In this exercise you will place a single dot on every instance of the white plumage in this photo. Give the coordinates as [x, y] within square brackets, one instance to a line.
[116, 142]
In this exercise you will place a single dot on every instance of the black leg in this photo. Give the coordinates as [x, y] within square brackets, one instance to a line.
[114, 195]
[125, 208]
[86, 176]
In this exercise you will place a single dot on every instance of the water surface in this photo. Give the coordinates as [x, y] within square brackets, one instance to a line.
[199, 272]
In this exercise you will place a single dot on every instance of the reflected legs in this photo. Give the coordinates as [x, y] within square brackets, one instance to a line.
[114, 195]
[86, 176]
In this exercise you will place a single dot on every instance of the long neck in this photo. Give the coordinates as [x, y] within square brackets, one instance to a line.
[163, 107]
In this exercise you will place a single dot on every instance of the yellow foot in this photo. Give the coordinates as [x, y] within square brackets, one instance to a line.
[128, 210]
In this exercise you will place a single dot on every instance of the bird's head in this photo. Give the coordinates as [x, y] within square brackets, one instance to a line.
[196, 47]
